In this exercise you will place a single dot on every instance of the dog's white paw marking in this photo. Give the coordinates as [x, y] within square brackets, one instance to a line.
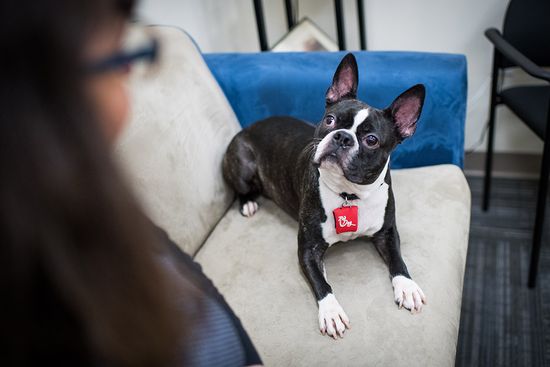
[408, 294]
[249, 208]
[333, 321]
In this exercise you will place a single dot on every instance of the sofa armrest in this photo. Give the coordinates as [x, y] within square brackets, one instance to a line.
[259, 85]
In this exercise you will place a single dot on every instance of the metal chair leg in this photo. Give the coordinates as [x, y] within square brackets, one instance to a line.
[339, 11]
[260, 24]
[491, 134]
[290, 20]
[361, 21]
[489, 160]
[541, 207]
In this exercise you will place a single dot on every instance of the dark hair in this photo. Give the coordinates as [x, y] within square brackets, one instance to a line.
[76, 267]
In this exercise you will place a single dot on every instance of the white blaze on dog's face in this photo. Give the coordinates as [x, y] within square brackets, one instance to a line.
[356, 139]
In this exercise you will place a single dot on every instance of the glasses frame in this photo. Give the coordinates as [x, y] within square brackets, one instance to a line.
[122, 59]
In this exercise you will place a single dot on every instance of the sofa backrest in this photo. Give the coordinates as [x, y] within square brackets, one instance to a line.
[259, 85]
[172, 147]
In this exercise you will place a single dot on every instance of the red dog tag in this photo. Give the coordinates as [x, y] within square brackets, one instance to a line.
[345, 219]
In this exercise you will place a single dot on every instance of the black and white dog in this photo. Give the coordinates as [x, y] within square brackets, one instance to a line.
[334, 179]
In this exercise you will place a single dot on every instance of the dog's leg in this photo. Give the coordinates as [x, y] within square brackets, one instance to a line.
[332, 318]
[407, 293]
[240, 171]
[248, 204]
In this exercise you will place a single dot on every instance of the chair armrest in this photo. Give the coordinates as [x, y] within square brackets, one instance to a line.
[259, 85]
[512, 54]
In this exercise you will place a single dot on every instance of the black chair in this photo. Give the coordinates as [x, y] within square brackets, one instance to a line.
[524, 42]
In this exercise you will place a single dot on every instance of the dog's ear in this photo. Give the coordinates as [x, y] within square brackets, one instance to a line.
[405, 110]
[344, 82]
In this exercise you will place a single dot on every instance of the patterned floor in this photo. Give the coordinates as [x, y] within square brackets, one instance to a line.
[503, 323]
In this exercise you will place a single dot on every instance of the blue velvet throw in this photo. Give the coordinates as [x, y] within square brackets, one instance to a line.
[259, 85]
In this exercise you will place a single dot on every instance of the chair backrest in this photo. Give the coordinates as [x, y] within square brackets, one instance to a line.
[527, 28]
[173, 146]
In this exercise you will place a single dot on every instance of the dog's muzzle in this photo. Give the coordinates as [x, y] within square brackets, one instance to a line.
[335, 145]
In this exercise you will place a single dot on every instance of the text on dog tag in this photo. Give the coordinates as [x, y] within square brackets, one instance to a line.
[345, 219]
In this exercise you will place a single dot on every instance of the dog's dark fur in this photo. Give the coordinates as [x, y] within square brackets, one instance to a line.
[279, 158]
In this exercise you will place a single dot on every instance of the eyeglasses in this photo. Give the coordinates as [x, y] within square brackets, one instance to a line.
[123, 59]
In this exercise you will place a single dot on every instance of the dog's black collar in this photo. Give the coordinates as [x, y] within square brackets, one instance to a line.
[347, 197]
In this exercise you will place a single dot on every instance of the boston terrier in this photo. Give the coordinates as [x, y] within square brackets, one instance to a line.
[334, 179]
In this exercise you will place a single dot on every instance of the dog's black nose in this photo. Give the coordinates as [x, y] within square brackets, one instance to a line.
[343, 139]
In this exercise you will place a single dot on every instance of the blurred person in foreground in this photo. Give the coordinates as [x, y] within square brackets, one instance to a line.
[87, 280]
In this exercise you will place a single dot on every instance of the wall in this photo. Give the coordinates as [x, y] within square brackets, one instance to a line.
[423, 25]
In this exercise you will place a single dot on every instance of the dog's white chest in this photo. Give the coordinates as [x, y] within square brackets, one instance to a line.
[371, 211]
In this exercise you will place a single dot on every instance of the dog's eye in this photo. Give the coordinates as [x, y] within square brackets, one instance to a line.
[329, 120]
[371, 141]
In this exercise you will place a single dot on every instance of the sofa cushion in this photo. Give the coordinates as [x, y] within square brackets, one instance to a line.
[254, 263]
[173, 146]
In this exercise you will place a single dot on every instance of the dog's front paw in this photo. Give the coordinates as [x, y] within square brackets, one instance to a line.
[249, 208]
[408, 294]
[333, 321]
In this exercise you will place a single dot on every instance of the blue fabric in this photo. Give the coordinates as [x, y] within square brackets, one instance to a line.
[260, 85]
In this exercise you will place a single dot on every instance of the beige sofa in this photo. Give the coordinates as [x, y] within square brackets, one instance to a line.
[172, 151]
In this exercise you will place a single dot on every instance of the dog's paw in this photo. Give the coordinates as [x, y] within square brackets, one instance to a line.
[249, 208]
[333, 321]
[408, 294]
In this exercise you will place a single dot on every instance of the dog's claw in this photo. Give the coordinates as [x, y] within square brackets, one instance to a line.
[332, 317]
[399, 301]
[408, 294]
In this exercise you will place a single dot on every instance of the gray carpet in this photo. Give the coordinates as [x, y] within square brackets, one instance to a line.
[503, 323]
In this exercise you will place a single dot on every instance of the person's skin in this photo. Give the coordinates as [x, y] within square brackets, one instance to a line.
[108, 90]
